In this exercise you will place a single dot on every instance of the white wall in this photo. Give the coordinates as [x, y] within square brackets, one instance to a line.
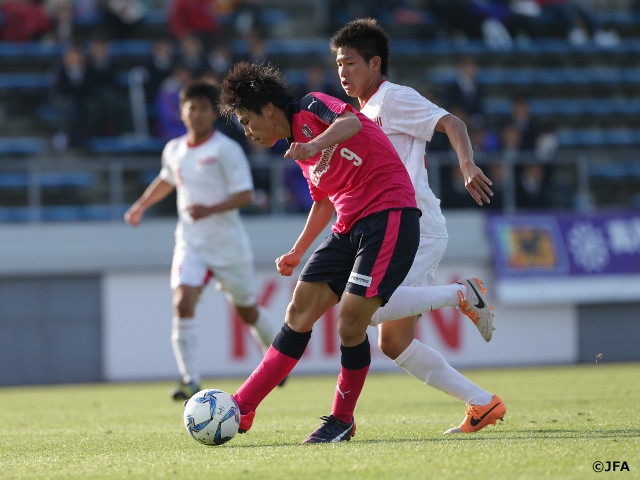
[137, 326]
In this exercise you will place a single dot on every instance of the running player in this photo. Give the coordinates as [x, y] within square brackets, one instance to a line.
[353, 171]
[409, 120]
[212, 177]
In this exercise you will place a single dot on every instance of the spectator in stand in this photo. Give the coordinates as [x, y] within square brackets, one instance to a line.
[560, 19]
[61, 14]
[220, 58]
[318, 79]
[159, 66]
[108, 107]
[71, 89]
[191, 53]
[167, 105]
[24, 20]
[196, 17]
[121, 18]
[466, 92]
[257, 50]
[521, 119]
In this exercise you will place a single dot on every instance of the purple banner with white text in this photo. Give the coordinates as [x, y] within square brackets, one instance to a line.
[565, 245]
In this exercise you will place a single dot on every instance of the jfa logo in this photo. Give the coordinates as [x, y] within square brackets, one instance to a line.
[610, 466]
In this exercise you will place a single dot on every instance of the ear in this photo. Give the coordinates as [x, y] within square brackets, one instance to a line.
[375, 63]
[268, 109]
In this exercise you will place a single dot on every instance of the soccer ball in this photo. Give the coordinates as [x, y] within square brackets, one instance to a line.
[212, 417]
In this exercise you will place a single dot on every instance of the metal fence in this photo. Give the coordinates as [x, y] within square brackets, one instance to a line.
[101, 188]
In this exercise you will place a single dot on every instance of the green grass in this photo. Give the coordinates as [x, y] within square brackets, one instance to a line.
[560, 420]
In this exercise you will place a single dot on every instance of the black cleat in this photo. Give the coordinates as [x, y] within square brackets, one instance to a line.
[332, 430]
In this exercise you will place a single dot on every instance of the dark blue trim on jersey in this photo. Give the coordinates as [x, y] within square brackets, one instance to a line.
[314, 105]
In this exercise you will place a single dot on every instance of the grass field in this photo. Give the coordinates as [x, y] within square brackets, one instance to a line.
[560, 420]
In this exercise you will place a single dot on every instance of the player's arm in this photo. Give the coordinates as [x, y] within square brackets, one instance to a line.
[237, 200]
[157, 190]
[343, 128]
[475, 181]
[319, 217]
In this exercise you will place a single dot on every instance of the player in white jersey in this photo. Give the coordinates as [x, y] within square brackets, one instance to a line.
[410, 120]
[212, 178]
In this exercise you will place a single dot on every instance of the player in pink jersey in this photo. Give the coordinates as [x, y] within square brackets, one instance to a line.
[212, 179]
[409, 119]
[353, 171]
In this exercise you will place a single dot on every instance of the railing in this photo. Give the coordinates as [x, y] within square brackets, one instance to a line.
[98, 188]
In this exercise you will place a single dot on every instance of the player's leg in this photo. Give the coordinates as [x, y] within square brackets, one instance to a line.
[184, 340]
[239, 284]
[468, 295]
[310, 301]
[188, 277]
[385, 246]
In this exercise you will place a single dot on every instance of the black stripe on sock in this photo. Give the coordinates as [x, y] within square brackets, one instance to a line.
[291, 343]
[355, 358]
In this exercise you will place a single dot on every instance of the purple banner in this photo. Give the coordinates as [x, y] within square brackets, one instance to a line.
[565, 244]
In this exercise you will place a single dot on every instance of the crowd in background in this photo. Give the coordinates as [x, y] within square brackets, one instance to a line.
[90, 99]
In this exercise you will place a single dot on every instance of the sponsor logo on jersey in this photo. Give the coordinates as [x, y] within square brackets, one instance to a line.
[207, 161]
[306, 130]
[360, 279]
[322, 166]
[312, 102]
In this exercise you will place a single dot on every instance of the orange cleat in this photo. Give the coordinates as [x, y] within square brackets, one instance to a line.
[246, 421]
[479, 416]
[476, 307]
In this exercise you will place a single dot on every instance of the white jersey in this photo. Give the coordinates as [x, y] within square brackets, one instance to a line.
[409, 120]
[207, 174]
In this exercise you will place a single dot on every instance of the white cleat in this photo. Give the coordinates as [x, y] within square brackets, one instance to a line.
[476, 307]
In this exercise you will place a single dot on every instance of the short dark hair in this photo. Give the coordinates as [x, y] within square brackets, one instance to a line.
[250, 86]
[367, 37]
[201, 88]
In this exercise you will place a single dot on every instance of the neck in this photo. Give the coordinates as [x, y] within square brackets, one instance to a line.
[374, 84]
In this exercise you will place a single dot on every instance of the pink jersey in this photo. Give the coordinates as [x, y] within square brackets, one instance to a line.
[362, 175]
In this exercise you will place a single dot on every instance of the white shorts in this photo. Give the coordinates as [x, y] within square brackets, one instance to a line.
[425, 264]
[237, 281]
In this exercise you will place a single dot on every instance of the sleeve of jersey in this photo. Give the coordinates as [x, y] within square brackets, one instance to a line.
[325, 107]
[235, 166]
[413, 114]
[166, 173]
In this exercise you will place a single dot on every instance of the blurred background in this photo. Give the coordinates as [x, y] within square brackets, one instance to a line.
[550, 93]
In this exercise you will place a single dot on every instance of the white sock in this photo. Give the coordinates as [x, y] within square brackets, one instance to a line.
[184, 339]
[428, 365]
[412, 301]
[263, 330]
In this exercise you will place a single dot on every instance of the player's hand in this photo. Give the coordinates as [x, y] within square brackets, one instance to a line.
[134, 215]
[287, 263]
[196, 212]
[301, 151]
[476, 183]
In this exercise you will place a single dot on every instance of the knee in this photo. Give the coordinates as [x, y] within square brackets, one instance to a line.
[248, 315]
[392, 346]
[183, 308]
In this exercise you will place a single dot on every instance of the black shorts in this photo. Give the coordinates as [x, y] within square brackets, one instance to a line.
[371, 260]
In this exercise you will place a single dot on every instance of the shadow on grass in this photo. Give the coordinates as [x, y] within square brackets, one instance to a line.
[496, 435]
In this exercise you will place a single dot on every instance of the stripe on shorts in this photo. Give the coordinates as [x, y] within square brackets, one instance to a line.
[386, 251]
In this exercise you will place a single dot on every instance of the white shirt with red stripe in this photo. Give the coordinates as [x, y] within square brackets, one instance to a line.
[409, 120]
[207, 174]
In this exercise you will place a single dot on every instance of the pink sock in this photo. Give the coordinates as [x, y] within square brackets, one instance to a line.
[275, 366]
[350, 383]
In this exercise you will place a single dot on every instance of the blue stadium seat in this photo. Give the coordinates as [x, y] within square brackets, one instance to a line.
[124, 145]
[22, 146]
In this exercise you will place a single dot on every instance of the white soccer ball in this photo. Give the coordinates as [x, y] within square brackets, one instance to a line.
[212, 417]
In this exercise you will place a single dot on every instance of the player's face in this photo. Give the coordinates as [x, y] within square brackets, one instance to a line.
[198, 116]
[259, 128]
[357, 77]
